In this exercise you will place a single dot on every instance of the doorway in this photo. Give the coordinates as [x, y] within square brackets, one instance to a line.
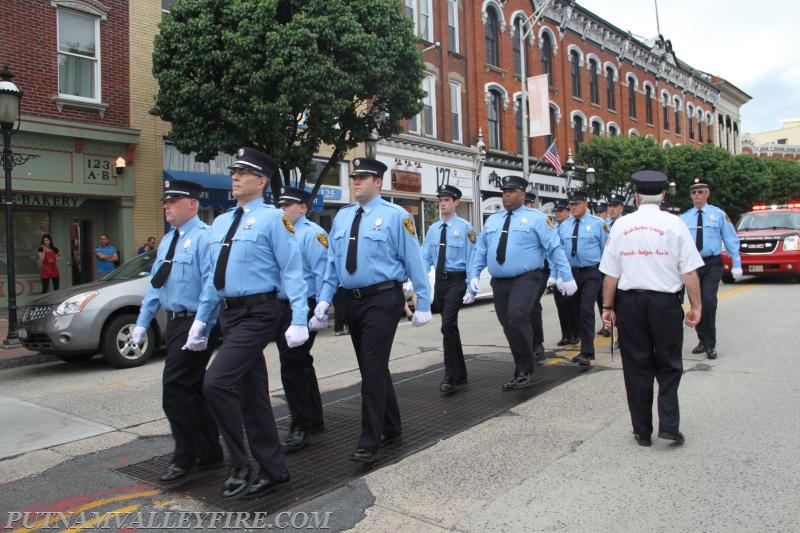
[80, 251]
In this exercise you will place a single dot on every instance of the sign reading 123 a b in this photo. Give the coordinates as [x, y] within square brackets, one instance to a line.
[99, 170]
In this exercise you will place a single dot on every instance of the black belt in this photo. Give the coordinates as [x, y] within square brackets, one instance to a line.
[172, 315]
[710, 257]
[250, 299]
[647, 291]
[372, 289]
[584, 269]
[452, 275]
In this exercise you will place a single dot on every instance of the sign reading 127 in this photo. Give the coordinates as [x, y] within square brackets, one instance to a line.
[98, 169]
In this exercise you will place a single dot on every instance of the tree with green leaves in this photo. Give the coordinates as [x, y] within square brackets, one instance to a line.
[285, 77]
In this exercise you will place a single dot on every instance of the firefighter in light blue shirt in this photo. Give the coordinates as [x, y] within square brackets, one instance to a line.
[709, 226]
[583, 237]
[514, 245]
[373, 250]
[183, 263]
[448, 248]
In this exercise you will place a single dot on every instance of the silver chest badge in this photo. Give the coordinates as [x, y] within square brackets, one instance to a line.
[712, 218]
[250, 222]
[456, 233]
[186, 244]
[378, 222]
[523, 221]
[588, 229]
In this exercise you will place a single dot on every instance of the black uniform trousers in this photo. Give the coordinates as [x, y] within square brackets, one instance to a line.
[513, 304]
[568, 327]
[651, 341]
[581, 305]
[600, 296]
[537, 326]
[710, 275]
[448, 296]
[299, 377]
[237, 387]
[373, 323]
[195, 433]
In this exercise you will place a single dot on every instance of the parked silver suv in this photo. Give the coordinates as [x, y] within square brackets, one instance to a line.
[76, 323]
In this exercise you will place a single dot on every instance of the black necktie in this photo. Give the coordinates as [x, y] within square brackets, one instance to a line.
[163, 271]
[442, 251]
[575, 238]
[222, 261]
[501, 246]
[352, 246]
[699, 237]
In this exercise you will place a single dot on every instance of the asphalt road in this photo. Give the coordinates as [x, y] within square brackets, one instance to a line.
[563, 460]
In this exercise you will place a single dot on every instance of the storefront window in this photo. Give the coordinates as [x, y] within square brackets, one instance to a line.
[29, 226]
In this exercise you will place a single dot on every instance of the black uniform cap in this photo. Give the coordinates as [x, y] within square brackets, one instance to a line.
[293, 195]
[649, 182]
[174, 189]
[365, 166]
[449, 190]
[514, 182]
[698, 183]
[616, 199]
[561, 205]
[578, 196]
[252, 159]
[530, 196]
[601, 208]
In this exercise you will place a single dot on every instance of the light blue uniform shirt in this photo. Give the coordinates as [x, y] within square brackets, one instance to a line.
[592, 236]
[717, 228]
[314, 248]
[531, 240]
[460, 245]
[191, 265]
[388, 249]
[265, 256]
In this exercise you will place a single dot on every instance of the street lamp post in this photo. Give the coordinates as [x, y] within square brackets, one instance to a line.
[9, 114]
[569, 170]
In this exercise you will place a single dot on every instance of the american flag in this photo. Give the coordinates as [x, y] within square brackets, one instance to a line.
[552, 157]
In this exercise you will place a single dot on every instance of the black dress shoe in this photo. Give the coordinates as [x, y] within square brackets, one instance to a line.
[676, 436]
[583, 359]
[700, 348]
[296, 440]
[712, 353]
[174, 472]
[210, 463]
[642, 441]
[538, 352]
[388, 440]
[563, 342]
[449, 385]
[237, 482]
[574, 340]
[523, 381]
[362, 455]
[604, 332]
[264, 485]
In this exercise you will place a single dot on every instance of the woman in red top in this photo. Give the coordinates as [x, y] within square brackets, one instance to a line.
[48, 255]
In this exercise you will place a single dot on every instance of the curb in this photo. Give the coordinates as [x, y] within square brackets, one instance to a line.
[32, 358]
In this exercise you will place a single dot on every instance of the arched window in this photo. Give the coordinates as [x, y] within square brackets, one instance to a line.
[611, 89]
[516, 46]
[690, 117]
[553, 116]
[575, 72]
[492, 32]
[665, 108]
[678, 108]
[613, 130]
[495, 107]
[648, 104]
[577, 132]
[710, 129]
[631, 97]
[594, 84]
[547, 58]
[597, 128]
[520, 136]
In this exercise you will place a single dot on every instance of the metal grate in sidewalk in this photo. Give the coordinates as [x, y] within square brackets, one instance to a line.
[325, 465]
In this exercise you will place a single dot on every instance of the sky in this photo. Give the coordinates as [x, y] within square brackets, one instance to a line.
[753, 45]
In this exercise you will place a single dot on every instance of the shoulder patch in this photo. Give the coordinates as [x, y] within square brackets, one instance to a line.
[605, 228]
[471, 236]
[287, 224]
[409, 225]
[323, 240]
[550, 222]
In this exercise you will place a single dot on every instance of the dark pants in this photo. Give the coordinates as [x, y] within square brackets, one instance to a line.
[537, 327]
[447, 298]
[373, 323]
[195, 433]
[298, 376]
[568, 328]
[600, 296]
[46, 284]
[651, 340]
[581, 306]
[513, 304]
[236, 385]
[710, 275]
[338, 316]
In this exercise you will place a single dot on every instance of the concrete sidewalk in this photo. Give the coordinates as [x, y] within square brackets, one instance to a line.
[14, 356]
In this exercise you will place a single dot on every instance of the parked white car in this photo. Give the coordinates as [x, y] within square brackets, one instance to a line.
[485, 292]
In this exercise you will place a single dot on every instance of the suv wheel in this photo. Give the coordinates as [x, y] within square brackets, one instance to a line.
[117, 347]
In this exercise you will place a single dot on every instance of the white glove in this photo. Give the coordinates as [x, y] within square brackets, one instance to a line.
[321, 310]
[420, 318]
[551, 282]
[410, 286]
[139, 335]
[569, 287]
[737, 274]
[196, 341]
[469, 297]
[475, 285]
[560, 285]
[315, 324]
[296, 335]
